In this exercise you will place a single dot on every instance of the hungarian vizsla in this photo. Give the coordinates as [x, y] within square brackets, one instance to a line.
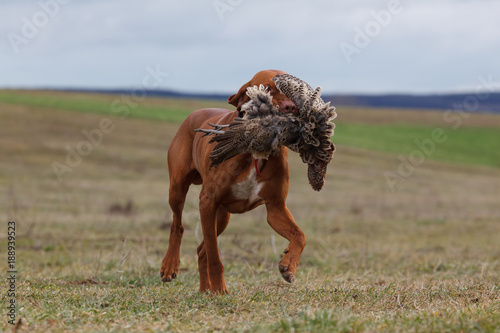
[234, 187]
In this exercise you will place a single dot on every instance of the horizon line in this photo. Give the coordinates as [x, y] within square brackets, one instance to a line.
[208, 93]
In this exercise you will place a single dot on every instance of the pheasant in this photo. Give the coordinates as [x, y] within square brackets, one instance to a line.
[314, 119]
[263, 130]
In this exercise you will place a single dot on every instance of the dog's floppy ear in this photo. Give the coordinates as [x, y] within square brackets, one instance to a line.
[240, 97]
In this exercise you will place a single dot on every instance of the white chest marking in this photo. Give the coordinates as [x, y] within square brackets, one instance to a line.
[248, 189]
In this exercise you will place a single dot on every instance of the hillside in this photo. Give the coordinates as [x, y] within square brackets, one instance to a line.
[469, 138]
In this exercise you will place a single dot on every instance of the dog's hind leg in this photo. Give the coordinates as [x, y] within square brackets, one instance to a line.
[171, 261]
[181, 177]
[222, 222]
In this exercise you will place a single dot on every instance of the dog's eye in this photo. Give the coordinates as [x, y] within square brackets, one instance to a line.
[267, 88]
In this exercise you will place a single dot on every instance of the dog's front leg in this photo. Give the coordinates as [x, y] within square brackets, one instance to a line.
[208, 216]
[222, 221]
[281, 220]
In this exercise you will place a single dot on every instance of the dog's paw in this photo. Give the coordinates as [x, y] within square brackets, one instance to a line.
[286, 274]
[166, 277]
[169, 270]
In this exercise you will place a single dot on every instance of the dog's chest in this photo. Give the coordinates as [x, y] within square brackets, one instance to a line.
[248, 189]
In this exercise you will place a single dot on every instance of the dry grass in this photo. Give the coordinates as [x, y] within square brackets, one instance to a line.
[424, 258]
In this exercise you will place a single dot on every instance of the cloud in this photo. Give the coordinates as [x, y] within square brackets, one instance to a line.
[429, 46]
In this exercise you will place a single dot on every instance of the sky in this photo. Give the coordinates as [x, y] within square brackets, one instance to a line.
[215, 46]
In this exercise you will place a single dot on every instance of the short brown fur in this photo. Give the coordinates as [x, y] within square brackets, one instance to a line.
[189, 163]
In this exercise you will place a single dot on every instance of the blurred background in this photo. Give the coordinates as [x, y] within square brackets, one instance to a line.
[213, 45]
[92, 92]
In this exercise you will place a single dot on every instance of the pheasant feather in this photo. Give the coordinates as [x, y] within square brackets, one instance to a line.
[264, 130]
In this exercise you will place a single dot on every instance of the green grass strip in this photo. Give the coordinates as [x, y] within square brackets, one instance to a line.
[87, 104]
[477, 146]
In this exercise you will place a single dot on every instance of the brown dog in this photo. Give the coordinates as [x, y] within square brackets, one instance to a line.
[236, 186]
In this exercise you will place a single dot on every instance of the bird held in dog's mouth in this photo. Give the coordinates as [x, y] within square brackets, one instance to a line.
[263, 130]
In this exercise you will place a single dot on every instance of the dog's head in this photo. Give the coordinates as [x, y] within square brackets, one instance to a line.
[284, 104]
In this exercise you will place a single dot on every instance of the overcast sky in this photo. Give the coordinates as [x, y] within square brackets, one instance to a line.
[355, 46]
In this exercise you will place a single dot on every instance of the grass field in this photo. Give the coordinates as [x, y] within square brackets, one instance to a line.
[89, 243]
